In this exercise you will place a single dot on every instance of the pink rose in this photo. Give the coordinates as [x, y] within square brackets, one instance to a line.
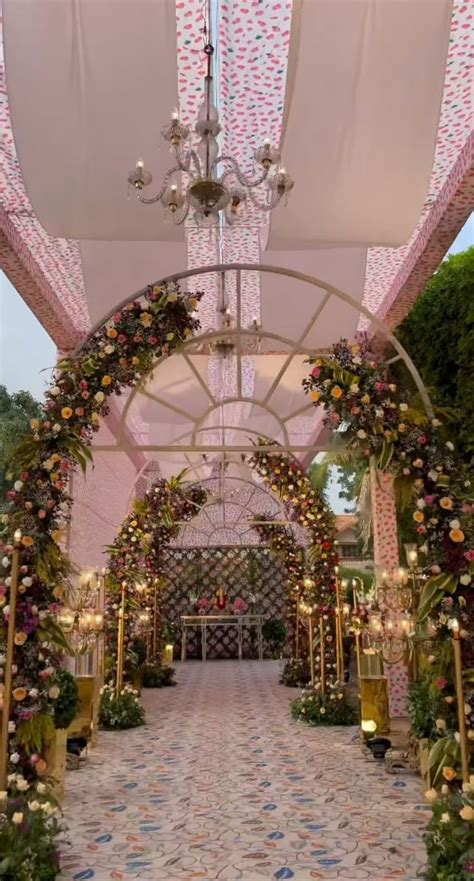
[316, 372]
[51, 405]
[117, 317]
[11, 494]
[41, 513]
[423, 439]
[421, 529]
[441, 682]
[85, 395]
[24, 475]
[466, 508]
[469, 555]
[436, 569]
[121, 338]
[79, 411]
[153, 340]
[429, 500]
[83, 383]
[380, 386]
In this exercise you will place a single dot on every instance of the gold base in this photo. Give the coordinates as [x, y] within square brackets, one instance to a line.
[55, 758]
[374, 702]
[83, 724]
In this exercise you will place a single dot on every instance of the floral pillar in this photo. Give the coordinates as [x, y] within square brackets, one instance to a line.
[384, 516]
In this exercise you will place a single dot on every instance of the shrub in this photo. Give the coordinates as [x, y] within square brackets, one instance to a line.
[66, 704]
[331, 708]
[274, 632]
[28, 831]
[296, 673]
[155, 676]
[450, 837]
[124, 711]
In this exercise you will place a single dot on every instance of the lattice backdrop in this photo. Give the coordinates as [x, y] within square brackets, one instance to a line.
[252, 573]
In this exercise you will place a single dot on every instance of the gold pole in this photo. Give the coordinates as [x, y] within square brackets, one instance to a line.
[357, 640]
[155, 620]
[460, 703]
[297, 635]
[7, 692]
[120, 641]
[339, 641]
[311, 647]
[323, 662]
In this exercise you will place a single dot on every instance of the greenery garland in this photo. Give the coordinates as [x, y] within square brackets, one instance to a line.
[114, 358]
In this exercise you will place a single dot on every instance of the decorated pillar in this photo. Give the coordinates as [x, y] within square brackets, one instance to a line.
[384, 517]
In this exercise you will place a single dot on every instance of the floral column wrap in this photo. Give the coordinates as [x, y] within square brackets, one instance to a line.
[384, 518]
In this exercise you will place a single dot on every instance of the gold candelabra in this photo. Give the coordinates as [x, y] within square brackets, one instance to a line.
[463, 740]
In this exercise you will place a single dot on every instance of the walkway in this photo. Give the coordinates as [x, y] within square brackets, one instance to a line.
[222, 784]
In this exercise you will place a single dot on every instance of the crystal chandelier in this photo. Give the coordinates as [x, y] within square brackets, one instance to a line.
[204, 184]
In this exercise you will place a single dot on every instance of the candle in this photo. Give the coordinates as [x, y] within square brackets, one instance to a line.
[168, 655]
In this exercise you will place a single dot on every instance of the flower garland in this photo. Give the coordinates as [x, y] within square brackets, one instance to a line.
[114, 358]
[376, 419]
[303, 504]
[136, 554]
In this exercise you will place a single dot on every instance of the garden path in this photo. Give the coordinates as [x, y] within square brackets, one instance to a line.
[223, 785]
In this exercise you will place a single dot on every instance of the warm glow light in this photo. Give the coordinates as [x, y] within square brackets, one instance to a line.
[17, 536]
[369, 726]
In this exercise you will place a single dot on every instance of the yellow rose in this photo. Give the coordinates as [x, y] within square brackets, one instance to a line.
[20, 638]
[449, 773]
[456, 535]
[56, 535]
[106, 380]
[446, 503]
[66, 412]
[112, 333]
[315, 396]
[135, 360]
[35, 424]
[336, 392]
[431, 795]
[365, 399]
[419, 516]
[146, 319]
[467, 813]
[193, 303]
[19, 694]
[402, 427]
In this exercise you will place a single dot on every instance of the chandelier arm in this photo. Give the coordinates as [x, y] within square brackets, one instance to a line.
[185, 214]
[183, 159]
[265, 206]
[246, 182]
[197, 162]
[152, 199]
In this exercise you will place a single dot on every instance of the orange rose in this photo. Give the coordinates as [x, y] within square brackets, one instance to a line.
[66, 412]
[449, 773]
[419, 516]
[19, 694]
[336, 392]
[315, 396]
[20, 638]
[27, 541]
[456, 535]
[446, 503]
[112, 333]
[56, 535]
[106, 380]
[41, 767]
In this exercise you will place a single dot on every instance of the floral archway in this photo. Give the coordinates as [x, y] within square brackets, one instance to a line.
[113, 359]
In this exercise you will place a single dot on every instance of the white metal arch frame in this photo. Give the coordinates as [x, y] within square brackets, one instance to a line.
[186, 442]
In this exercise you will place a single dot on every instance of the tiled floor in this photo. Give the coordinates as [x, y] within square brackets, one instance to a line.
[222, 784]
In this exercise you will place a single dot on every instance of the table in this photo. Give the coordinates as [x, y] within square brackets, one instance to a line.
[205, 621]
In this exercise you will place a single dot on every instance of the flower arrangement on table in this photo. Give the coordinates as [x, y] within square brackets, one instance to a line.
[204, 606]
[239, 606]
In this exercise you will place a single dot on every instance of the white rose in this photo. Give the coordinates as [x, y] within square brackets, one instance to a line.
[99, 397]
[27, 581]
[361, 433]
[11, 727]
[34, 806]
[357, 359]
[41, 788]
[109, 349]
[56, 427]
[436, 423]
[22, 784]
[445, 818]
[421, 503]
[6, 562]
[354, 388]
[17, 818]
[403, 407]
[15, 758]
[450, 445]
[454, 524]
[34, 692]
[18, 485]
[55, 390]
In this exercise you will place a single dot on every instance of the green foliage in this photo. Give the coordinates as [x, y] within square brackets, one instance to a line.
[348, 573]
[36, 733]
[438, 334]
[16, 411]
[124, 711]
[449, 839]
[274, 632]
[155, 676]
[331, 708]
[67, 704]
[295, 673]
[421, 709]
[27, 849]
[135, 656]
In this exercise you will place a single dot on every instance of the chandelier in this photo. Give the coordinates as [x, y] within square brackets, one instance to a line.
[202, 181]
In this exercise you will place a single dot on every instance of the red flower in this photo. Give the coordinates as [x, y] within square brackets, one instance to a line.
[121, 338]
[423, 439]
[83, 383]
[117, 317]
[441, 682]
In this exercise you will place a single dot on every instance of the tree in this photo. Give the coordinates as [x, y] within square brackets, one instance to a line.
[438, 334]
[16, 411]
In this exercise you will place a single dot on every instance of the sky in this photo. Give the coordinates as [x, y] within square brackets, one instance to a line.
[26, 349]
